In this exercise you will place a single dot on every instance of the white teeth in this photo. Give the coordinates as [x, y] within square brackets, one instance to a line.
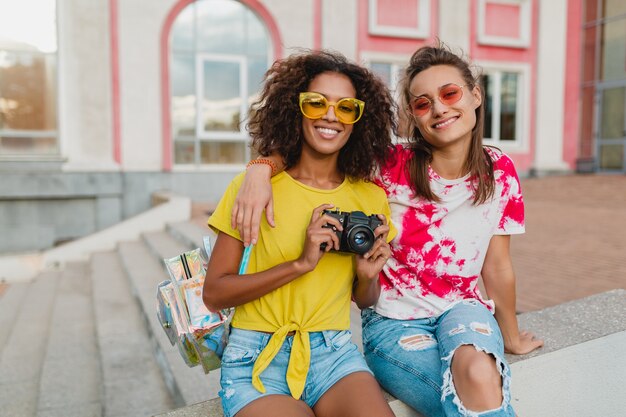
[446, 123]
[327, 131]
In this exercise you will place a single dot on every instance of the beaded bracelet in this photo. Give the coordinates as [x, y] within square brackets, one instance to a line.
[263, 161]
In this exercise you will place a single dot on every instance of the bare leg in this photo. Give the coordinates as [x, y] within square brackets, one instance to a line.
[276, 406]
[476, 379]
[355, 395]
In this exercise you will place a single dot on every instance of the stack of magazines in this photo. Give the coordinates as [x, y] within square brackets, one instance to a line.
[199, 333]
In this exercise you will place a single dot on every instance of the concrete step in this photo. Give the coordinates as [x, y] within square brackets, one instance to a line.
[163, 245]
[10, 304]
[23, 354]
[575, 322]
[190, 234]
[145, 271]
[583, 380]
[70, 378]
[132, 381]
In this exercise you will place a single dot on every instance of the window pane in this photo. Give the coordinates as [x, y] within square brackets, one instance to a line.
[613, 8]
[221, 26]
[182, 76]
[487, 82]
[508, 106]
[257, 37]
[614, 50]
[183, 31]
[223, 152]
[221, 104]
[184, 152]
[11, 145]
[256, 72]
[27, 91]
[612, 119]
[230, 41]
[383, 70]
[612, 157]
[28, 25]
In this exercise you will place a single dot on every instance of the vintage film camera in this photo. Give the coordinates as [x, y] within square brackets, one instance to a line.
[358, 230]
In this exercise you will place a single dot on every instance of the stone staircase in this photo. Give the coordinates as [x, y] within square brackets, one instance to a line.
[84, 340]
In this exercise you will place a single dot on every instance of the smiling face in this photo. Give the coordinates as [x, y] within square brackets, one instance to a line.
[327, 135]
[445, 125]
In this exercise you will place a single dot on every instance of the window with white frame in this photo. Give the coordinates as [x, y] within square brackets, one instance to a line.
[412, 22]
[504, 104]
[390, 72]
[220, 52]
[28, 79]
[504, 23]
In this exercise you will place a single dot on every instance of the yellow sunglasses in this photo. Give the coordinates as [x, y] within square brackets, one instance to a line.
[315, 106]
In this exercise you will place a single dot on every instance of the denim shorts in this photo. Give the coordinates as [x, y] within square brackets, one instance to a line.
[333, 356]
[411, 358]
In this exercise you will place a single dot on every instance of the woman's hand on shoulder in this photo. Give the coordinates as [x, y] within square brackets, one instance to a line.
[254, 196]
[526, 343]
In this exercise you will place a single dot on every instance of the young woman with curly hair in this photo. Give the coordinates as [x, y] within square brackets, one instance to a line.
[432, 339]
[290, 351]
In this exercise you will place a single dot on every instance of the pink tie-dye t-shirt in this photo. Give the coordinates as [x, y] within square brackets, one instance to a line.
[439, 250]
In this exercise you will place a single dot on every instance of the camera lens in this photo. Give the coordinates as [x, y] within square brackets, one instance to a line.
[360, 239]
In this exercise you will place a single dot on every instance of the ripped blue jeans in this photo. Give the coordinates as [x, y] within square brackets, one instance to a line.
[411, 358]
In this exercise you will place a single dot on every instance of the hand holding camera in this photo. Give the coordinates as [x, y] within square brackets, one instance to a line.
[335, 230]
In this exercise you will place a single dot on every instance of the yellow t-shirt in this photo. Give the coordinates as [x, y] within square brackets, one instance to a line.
[316, 301]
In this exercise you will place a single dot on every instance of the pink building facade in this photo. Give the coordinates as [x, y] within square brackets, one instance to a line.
[128, 97]
[528, 52]
[516, 49]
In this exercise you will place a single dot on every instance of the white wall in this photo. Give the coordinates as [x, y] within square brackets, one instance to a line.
[550, 91]
[340, 20]
[295, 24]
[85, 107]
[454, 23]
[140, 23]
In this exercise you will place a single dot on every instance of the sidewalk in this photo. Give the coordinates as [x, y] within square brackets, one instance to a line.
[575, 242]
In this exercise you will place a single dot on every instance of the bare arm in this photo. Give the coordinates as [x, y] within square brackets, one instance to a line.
[366, 287]
[224, 287]
[499, 279]
[254, 196]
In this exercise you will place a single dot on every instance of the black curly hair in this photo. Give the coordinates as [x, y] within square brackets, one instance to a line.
[275, 123]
